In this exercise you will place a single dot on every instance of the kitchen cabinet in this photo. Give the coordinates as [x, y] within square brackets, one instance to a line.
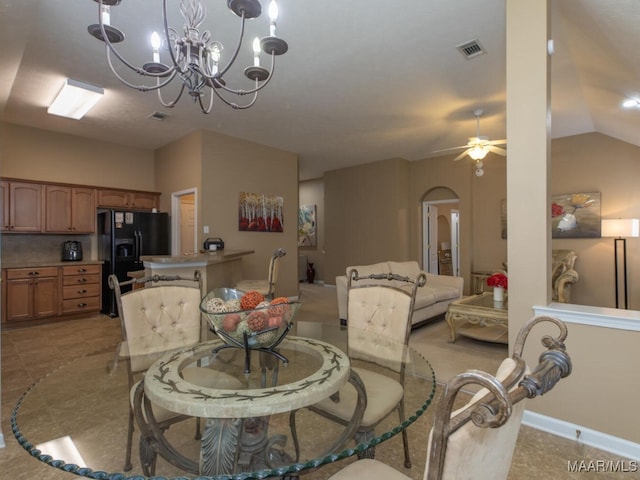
[21, 207]
[70, 209]
[31, 293]
[127, 199]
[81, 288]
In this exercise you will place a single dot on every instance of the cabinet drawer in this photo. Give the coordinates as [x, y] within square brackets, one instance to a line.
[80, 269]
[80, 291]
[13, 273]
[81, 305]
[80, 279]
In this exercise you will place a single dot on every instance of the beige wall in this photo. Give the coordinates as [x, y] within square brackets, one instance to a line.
[367, 215]
[35, 154]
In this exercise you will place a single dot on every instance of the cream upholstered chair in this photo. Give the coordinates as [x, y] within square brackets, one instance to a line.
[266, 287]
[376, 312]
[477, 440]
[154, 321]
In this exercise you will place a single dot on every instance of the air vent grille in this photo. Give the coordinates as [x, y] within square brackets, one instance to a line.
[471, 49]
[158, 116]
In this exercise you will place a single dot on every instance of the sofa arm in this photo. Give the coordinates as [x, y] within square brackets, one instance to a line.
[341, 291]
[446, 281]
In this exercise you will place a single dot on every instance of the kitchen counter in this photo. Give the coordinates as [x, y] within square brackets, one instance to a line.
[219, 269]
[37, 263]
[200, 259]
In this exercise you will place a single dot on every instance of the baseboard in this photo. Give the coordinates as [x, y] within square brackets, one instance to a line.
[578, 433]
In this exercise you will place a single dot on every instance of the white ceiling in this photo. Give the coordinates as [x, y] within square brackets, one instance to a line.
[363, 80]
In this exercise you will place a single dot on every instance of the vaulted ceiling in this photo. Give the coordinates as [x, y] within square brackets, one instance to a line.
[363, 80]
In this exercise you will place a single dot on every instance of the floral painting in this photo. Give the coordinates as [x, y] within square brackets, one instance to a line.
[573, 215]
[307, 226]
[260, 213]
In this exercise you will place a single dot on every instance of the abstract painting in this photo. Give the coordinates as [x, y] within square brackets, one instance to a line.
[307, 236]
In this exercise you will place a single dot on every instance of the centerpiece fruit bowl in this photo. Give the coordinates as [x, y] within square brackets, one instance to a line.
[247, 319]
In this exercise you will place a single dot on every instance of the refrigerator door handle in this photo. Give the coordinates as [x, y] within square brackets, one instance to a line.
[139, 245]
[136, 247]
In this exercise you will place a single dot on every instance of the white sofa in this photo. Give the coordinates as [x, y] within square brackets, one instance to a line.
[432, 299]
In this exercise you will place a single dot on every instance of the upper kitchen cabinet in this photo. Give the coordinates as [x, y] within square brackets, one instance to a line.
[21, 207]
[127, 199]
[70, 209]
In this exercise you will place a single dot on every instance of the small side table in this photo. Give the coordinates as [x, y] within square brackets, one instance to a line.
[479, 317]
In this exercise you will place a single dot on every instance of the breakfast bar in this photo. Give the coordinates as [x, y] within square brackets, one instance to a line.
[221, 268]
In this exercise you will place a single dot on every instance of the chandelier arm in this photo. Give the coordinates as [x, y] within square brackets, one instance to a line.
[172, 103]
[235, 106]
[204, 110]
[165, 22]
[113, 50]
[141, 88]
[258, 87]
[235, 54]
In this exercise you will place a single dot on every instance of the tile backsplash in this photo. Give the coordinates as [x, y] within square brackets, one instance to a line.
[38, 248]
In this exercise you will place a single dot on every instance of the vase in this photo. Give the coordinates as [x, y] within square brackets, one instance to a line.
[311, 273]
[498, 294]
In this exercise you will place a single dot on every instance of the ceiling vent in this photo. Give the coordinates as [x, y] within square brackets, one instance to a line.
[158, 116]
[471, 49]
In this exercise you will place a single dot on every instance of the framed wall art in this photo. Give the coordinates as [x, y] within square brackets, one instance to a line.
[260, 213]
[573, 215]
[307, 235]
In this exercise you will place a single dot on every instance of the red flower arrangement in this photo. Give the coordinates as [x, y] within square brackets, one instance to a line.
[498, 280]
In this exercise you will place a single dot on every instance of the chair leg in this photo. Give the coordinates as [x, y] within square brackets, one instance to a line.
[127, 461]
[198, 432]
[405, 437]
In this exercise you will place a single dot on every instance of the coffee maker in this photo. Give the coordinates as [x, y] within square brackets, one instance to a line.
[71, 251]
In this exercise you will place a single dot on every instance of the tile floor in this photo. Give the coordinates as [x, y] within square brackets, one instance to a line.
[30, 353]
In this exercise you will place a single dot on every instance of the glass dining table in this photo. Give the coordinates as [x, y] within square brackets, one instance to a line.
[252, 425]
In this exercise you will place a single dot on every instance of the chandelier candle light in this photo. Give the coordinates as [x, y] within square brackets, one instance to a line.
[499, 282]
[193, 56]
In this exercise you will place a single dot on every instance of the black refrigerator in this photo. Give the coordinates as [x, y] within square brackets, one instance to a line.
[122, 238]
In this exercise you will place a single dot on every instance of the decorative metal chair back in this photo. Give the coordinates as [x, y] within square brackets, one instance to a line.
[155, 320]
[274, 267]
[477, 440]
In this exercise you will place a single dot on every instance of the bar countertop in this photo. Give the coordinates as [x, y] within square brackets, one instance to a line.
[199, 259]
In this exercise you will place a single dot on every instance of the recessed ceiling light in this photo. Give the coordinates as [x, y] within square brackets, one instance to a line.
[75, 99]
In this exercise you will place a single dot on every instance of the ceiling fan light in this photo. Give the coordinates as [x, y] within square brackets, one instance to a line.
[478, 152]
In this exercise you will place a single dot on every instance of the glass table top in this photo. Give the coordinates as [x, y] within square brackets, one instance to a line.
[75, 418]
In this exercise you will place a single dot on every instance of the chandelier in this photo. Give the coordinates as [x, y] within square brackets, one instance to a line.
[194, 57]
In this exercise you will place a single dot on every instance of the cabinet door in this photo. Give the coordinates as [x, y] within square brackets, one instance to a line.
[58, 209]
[4, 208]
[25, 207]
[45, 297]
[145, 201]
[113, 198]
[83, 210]
[20, 299]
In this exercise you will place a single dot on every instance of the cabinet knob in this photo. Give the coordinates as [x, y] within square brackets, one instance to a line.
[82, 290]
[34, 273]
[82, 270]
[80, 305]
[82, 280]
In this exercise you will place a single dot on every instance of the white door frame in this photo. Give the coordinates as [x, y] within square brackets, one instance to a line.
[175, 219]
[430, 236]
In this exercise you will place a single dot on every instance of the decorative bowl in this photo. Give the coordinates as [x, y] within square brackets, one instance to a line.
[261, 327]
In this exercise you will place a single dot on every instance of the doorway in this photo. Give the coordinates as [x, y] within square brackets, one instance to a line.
[184, 222]
[441, 232]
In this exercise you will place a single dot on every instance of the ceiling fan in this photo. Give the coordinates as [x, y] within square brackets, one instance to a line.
[478, 147]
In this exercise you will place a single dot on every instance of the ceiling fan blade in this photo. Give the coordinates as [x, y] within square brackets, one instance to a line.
[497, 142]
[462, 155]
[449, 149]
[498, 150]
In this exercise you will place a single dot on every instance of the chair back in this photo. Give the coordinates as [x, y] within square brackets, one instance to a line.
[273, 270]
[477, 440]
[157, 319]
[381, 311]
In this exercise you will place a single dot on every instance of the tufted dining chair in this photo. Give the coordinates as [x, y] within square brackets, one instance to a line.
[379, 312]
[155, 320]
[477, 440]
[267, 286]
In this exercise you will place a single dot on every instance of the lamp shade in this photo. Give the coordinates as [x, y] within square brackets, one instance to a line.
[620, 227]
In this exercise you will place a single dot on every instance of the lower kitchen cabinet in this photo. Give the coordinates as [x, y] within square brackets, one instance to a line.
[31, 293]
[50, 293]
